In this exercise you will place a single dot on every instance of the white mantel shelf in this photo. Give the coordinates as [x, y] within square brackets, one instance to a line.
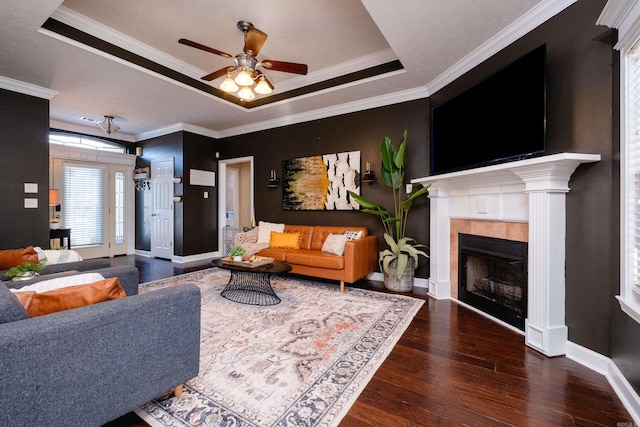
[532, 191]
[550, 167]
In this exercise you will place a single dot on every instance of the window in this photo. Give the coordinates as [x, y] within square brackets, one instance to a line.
[84, 142]
[118, 204]
[625, 16]
[83, 198]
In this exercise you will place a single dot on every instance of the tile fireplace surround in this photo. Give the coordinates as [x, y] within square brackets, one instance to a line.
[492, 199]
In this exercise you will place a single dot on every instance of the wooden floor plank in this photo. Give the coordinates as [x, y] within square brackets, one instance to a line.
[453, 366]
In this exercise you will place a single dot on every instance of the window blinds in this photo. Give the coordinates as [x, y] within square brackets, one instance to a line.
[83, 196]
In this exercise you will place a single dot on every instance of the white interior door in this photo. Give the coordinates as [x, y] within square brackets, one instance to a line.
[162, 212]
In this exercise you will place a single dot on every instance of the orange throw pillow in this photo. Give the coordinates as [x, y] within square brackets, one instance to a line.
[12, 257]
[70, 297]
[285, 240]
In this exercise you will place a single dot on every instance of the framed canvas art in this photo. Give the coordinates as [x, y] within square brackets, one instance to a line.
[321, 182]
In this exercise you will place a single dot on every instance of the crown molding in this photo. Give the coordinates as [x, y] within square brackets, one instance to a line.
[26, 88]
[89, 130]
[108, 34]
[361, 63]
[615, 12]
[336, 110]
[539, 14]
[178, 127]
[625, 16]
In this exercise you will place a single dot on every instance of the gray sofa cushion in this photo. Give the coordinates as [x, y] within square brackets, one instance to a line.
[10, 308]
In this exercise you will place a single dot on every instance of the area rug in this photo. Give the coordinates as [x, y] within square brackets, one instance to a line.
[302, 362]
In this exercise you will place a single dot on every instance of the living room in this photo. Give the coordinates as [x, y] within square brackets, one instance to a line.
[583, 85]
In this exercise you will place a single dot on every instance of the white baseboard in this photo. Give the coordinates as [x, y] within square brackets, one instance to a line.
[196, 257]
[606, 367]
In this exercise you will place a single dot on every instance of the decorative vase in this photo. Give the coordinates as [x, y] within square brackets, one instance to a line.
[405, 282]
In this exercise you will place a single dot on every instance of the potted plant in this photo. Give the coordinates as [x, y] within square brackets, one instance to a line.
[24, 271]
[237, 252]
[399, 261]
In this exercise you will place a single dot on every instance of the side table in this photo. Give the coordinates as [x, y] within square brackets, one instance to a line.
[61, 233]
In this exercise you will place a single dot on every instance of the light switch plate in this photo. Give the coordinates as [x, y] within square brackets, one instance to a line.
[30, 203]
[206, 194]
[408, 188]
[30, 187]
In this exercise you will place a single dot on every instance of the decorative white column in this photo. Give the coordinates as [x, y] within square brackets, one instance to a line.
[547, 185]
[439, 265]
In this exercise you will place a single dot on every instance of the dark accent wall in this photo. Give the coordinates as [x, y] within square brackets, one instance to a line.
[24, 158]
[195, 218]
[361, 131]
[200, 228]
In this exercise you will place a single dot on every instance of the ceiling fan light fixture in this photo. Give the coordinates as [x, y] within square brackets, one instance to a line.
[246, 93]
[244, 78]
[263, 87]
[108, 126]
[228, 85]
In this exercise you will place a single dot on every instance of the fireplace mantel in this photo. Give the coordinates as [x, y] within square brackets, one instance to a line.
[532, 191]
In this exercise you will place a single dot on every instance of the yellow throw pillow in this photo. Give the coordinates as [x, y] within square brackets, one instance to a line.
[285, 240]
[70, 297]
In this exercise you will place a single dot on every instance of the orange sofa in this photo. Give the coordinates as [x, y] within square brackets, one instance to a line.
[360, 256]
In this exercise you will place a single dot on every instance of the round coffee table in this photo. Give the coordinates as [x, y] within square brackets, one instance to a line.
[252, 285]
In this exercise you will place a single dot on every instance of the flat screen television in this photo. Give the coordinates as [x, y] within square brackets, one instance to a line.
[500, 119]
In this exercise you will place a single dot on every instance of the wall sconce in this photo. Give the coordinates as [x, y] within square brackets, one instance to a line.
[369, 175]
[273, 179]
[139, 151]
[177, 198]
[177, 179]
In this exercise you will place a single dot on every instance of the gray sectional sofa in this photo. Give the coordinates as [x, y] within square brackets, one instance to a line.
[90, 365]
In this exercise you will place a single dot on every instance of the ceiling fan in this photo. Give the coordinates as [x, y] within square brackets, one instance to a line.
[246, 64]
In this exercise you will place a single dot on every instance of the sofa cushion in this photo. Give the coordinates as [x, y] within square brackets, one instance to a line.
[285, 240]
[320, 233]
[334, 244]
[12, 257]
[278, 254]
[306, 233]
[316, 259]
[38, 304]
[265, 229]
[10, 308]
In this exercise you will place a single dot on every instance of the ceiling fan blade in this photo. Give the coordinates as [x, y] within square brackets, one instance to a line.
[205, 48]
[287, 67]
[221, 72]
[253, 41]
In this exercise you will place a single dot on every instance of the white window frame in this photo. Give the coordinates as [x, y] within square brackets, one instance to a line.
[625, 16]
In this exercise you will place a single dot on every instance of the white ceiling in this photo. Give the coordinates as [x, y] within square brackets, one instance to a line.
[435, 40]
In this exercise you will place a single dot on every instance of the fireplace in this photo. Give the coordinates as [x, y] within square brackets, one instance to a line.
[492, 277]
[532, 192]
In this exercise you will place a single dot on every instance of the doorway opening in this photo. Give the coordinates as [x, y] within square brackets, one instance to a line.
[235, 199]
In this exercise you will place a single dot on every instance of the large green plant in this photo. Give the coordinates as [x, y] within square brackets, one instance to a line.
[401, 247]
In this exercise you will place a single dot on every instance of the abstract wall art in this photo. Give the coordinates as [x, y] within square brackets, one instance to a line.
[321, 182]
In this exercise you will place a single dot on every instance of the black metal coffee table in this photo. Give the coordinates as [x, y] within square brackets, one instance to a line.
[252, 285]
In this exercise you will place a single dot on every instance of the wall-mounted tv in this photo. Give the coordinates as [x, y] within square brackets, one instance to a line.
[500, 119]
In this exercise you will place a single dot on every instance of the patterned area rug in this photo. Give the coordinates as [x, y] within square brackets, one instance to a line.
[302, 362]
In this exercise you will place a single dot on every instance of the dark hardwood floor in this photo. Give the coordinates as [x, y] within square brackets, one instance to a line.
[455, 367]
